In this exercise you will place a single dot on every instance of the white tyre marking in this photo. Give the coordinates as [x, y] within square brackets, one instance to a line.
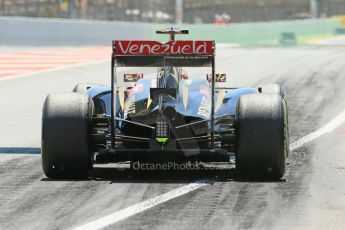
[142, 206]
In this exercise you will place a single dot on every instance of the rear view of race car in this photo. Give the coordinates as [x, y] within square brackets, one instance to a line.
[174, 117]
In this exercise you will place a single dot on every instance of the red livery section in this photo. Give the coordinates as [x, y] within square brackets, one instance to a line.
[147, 48]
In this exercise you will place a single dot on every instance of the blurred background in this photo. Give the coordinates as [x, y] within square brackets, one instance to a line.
[170, 11]
[248, 22]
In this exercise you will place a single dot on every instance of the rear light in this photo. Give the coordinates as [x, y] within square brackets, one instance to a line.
[162, 129]
[162, 132]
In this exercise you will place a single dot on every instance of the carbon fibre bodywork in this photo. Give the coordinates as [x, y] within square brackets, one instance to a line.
[102, 99]
[190, 123]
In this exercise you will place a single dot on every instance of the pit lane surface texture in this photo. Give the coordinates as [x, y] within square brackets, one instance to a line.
[311, 195]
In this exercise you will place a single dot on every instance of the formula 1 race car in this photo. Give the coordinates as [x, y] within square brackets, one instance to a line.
[173, 117]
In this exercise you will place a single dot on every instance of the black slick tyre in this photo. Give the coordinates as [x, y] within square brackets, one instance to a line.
[262, 138]
[66, 148]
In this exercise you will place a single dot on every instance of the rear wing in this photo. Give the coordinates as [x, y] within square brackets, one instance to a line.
[173, 53]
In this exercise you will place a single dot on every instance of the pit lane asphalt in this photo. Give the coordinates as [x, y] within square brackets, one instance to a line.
[311, 195]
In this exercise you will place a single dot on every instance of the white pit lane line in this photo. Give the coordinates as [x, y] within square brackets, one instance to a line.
[147, 204]
[329, 127]
[142, 206]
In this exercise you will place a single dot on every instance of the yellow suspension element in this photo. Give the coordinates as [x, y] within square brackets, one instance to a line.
[153, 83]
[185, 96]
[122, 97]
[220, 98]
[149, 101]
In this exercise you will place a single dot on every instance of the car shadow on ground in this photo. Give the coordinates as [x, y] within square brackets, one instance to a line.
[129, 175]
[175, 173]
[123, 173]
[20, 150]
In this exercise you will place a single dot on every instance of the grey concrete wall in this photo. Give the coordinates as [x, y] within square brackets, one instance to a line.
[16, 31]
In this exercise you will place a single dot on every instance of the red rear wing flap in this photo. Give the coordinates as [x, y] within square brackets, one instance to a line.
[153, 53]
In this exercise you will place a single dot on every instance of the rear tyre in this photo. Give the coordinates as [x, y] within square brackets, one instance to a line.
[273, 89]
[261, 136]
[84, 87]
[66, 148]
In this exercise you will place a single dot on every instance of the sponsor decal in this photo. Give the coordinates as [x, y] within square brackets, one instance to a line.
[204, 108]
[220, 77]
[132, 77]
[169, 48]
[171, 166]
